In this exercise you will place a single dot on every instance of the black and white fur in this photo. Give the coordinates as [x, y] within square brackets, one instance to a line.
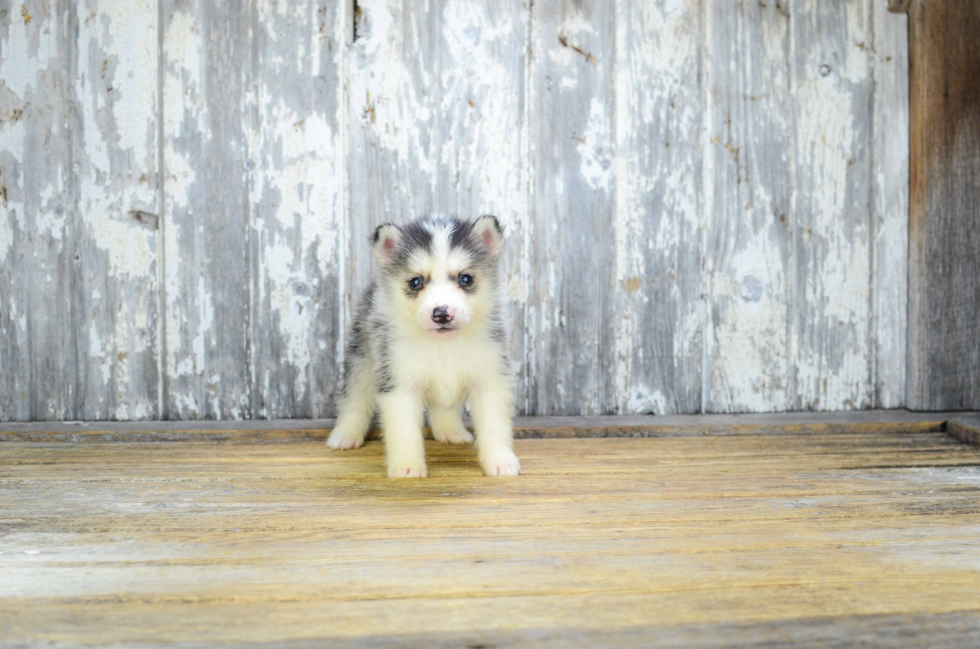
[430, 333]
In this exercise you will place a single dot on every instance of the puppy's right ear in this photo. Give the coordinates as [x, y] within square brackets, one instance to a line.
[385, 241]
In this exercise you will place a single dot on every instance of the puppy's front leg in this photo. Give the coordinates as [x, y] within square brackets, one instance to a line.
[494, 430]
[401, 420]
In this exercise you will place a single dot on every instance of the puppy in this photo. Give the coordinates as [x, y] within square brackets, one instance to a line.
[430, 333]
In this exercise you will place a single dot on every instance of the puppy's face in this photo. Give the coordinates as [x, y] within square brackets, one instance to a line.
[442, 271]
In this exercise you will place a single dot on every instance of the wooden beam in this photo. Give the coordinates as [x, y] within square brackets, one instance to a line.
[899, 6]
[944, 237]
[307, 430]
[965, 428]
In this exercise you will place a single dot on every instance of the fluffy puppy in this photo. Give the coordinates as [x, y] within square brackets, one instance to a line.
[430, 334]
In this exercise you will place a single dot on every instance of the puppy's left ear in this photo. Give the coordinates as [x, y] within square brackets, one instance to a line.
[489, 234]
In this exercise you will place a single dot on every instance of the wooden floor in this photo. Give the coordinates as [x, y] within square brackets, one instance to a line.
[853, 538]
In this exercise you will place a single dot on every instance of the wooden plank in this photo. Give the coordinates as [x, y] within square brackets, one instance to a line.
[572, 320]
[966, 428]
[890, 205]
[658, 344]
[297, 188]
[599, 541]
[37, 351]
[832, 348]
[747, 257]
[642, 621]
[114, 145]
[206, 210]
[524, 428]
[436, 120]
[944, 241]
[298, 430]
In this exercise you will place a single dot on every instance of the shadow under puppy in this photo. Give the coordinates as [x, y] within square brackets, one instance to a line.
[430, 332]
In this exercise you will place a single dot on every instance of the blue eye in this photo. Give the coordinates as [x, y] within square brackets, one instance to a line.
[415, 283]
[465, 280]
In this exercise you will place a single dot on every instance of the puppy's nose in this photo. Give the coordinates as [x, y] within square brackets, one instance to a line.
[442, 314]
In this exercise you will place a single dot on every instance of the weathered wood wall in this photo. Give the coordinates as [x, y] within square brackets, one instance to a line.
[707, 202]
[944, 237]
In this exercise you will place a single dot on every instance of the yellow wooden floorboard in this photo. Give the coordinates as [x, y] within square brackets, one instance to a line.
[194, 542]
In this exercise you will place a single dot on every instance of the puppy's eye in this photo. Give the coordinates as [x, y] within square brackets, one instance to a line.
[415, 283]
[465, 280]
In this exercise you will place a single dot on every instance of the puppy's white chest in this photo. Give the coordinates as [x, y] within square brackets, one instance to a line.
[445, 391]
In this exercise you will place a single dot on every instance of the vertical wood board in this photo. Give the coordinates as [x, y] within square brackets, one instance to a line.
[37, 248]
[297, 231]
[748, 256]
[114, 162]
[890, 209]
[944, 219]
[571, 301]
[206, 212]
[832, 343]
[657, 227]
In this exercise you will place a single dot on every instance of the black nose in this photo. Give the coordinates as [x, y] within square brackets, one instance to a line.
[442, 314]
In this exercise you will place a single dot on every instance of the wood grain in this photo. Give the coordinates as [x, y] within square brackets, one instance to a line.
[890, 205]
[206, 214]
[705, 203]
[832, 220]
[304, 430]
[114, 160]
[659, 307]
[599, 540]
[38, 365]
[298, 220]
[944, 241]
[748, 256]
[966, 428]
[572, 279]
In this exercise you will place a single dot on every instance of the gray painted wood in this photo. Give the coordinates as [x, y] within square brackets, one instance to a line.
[832, 343]
[705, 202]
[571, 301]
[944, 240]
[436, 122]
[297, 180]
[114, 158]
[206, 215]
[37, 237]
[657, 227]
[890, 207]
[748, 256]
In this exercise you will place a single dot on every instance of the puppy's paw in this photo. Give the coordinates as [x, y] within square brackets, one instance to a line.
[407, 471]
[343, 438]
[458, 436]
[501, 463]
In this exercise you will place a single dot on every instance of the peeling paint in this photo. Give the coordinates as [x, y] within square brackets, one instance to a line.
[596, 168]
[699, 213]
[297, 188]
[657, 219]
[205, 211]
[832, 335]
[7, 226]
[748, 183]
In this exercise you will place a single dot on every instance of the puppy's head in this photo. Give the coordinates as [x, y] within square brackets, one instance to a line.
[442, 271]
